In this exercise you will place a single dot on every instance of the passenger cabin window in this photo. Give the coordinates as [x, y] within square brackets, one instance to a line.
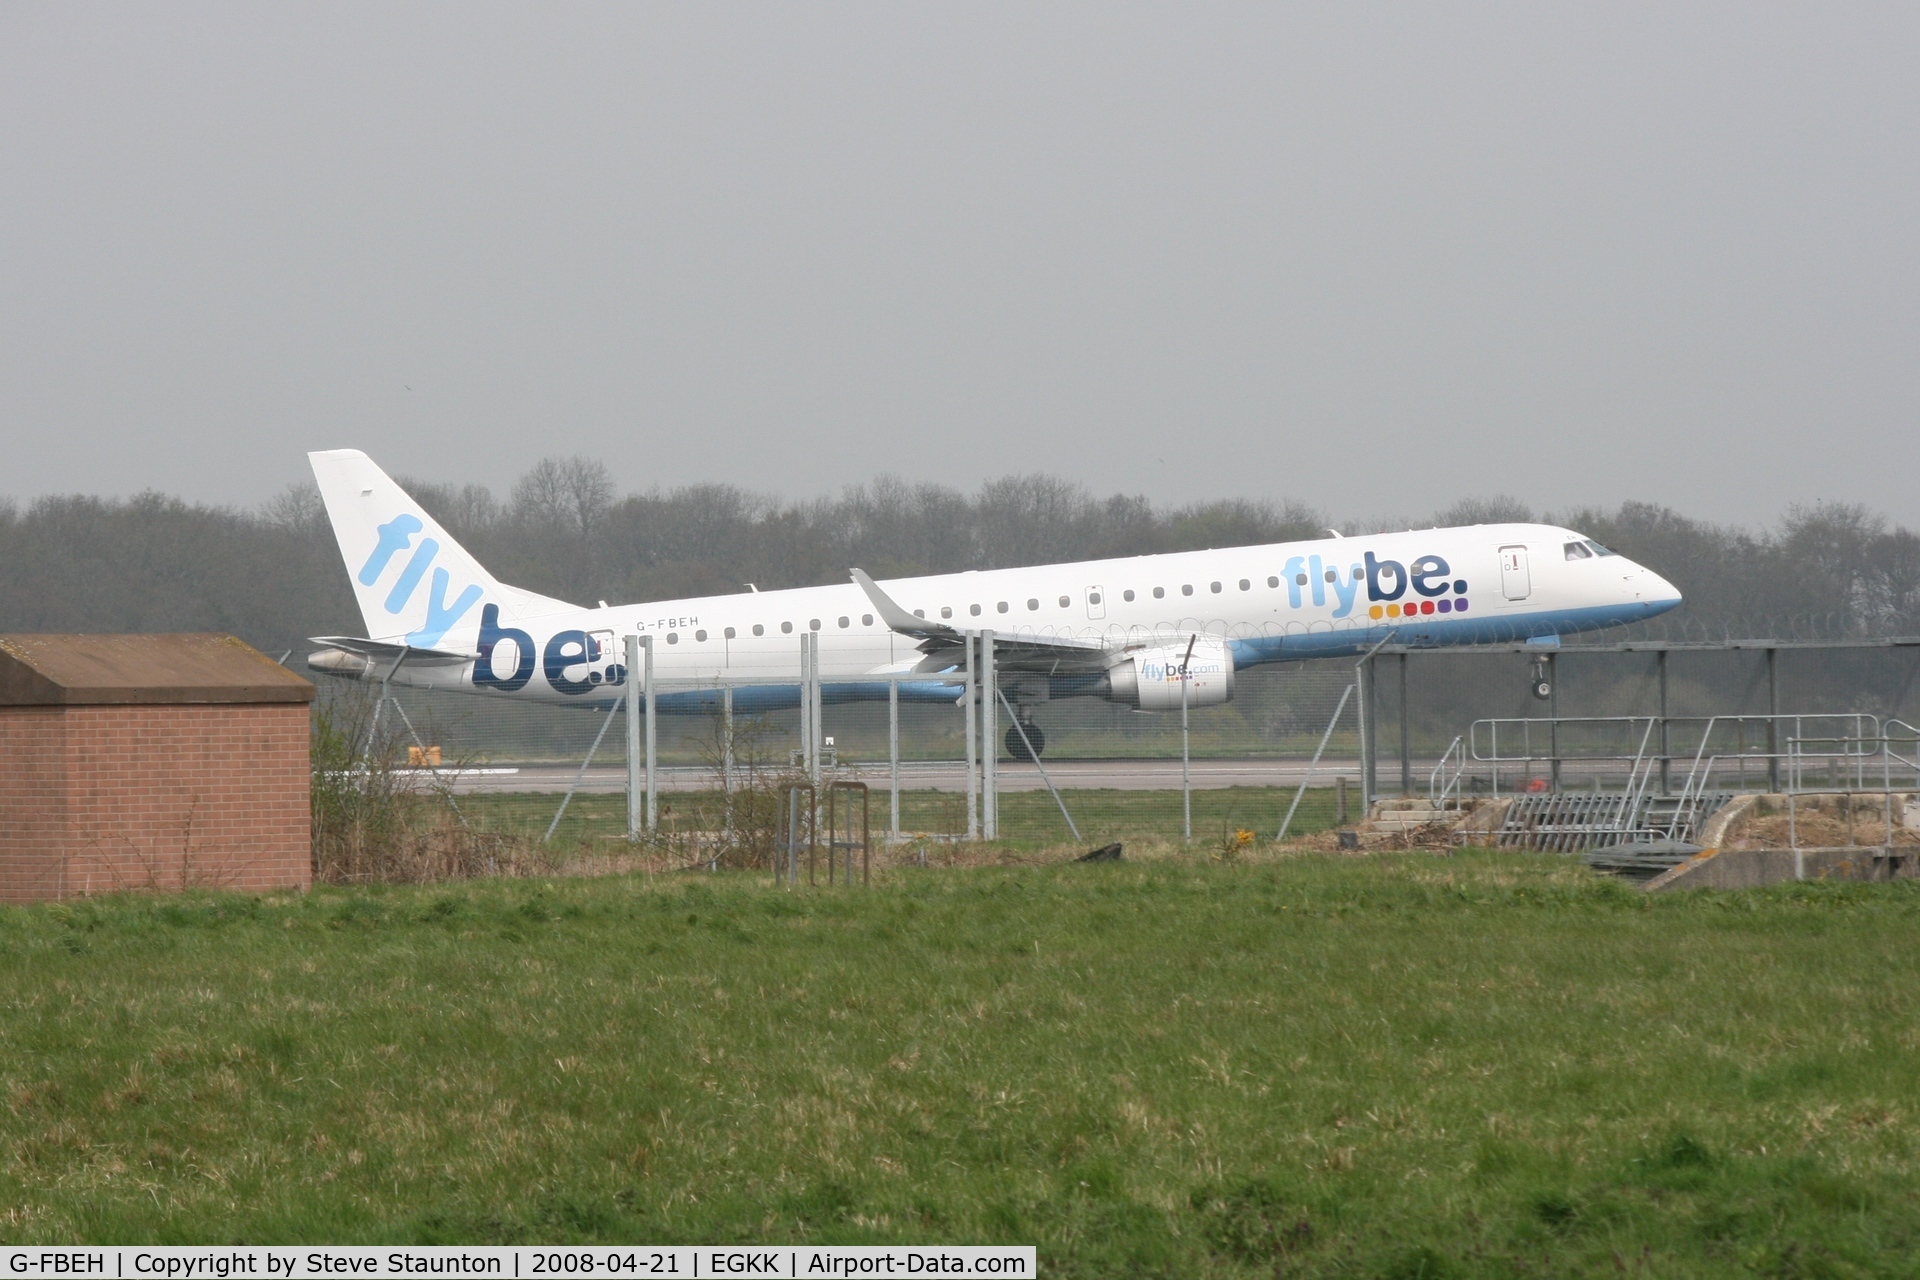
[845, 621]
[866, 619]
[1033, 605]
[1127, 595]
[1159, 593]
[1299, 579]
[759, 629]
[814, 625]
[1002, 606]
[1215, 588]
[1578, 551]
[1272, 581]
[946, 611]
[1067, 601]
[974, 609]
[786, 628]
[1245, 585]
[1186, 588]
[1093, 597]
[1331, 575]
[701, 636]
[673, 637]
[729, 633]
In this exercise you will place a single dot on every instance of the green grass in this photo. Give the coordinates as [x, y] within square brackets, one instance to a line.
[1384, 1066]
[1028, 819]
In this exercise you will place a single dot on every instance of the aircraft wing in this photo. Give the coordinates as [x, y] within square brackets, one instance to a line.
[1040, 655]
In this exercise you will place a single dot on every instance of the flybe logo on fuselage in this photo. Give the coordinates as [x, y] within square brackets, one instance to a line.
[1435, 588]
[396, 535]
[1309, 577]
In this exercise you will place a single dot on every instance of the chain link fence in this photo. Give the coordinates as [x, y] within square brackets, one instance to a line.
[1278, 711]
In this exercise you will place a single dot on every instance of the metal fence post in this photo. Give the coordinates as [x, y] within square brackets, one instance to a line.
[1364, 678]
[1773, 719]
[893, 752]
[1553, 713]
[653, 779]
[726, 758]
[1186, 758]
[793, 837]
[973, 740]
[819, 707]
[1666, 742]
[989, 740]
[636, 745]
[806, 705]
[1406, 749]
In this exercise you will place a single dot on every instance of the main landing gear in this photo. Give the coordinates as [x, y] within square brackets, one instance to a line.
[1017, 747]
[1540, 680]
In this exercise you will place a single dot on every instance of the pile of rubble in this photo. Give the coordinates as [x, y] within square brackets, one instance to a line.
[1412, 824]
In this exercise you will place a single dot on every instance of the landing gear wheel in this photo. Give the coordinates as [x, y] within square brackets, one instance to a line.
[1018, 748]
[1540, 680]
[1543, 689]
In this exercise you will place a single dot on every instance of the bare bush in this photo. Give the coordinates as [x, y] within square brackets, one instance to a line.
[374, 823]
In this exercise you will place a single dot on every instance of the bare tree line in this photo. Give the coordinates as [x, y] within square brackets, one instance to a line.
[273, 574]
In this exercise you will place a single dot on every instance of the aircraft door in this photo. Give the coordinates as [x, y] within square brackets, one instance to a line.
[603, 656]
[1516, 583]
[1096, 602]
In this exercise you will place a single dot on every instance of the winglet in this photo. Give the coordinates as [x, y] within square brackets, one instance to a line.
[894, 616]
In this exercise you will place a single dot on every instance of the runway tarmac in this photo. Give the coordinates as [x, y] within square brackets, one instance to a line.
[948, 775]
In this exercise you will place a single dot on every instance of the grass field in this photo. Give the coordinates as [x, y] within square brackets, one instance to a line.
[1028, 819]
[1384, 1066]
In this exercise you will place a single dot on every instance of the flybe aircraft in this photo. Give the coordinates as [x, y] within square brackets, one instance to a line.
[1132, 631]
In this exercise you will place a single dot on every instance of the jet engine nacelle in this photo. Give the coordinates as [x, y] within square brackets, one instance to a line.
[1150, 678]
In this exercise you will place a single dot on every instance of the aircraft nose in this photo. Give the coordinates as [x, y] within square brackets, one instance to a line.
[1652, 590]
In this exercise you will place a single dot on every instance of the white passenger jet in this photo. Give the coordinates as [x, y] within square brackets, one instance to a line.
[1130, 630]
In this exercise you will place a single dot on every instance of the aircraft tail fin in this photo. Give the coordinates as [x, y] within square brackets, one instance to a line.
[415, 585]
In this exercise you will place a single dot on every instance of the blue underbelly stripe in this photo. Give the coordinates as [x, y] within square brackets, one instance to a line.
[1436, 632]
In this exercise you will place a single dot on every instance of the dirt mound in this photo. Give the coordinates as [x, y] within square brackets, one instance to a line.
[1813, 830]
[1435, 837]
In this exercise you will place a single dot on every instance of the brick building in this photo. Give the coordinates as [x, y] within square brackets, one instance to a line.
[150, 762]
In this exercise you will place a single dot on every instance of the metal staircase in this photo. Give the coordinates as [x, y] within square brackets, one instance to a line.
[1639, 818]
[1572, 822]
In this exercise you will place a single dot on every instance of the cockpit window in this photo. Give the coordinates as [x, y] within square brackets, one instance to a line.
[1599, 550]
[1578, 551]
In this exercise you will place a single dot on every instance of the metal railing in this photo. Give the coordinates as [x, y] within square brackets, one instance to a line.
[1860, 752]
[1849, 749]
[1640, 746]
[1444, 788]
[1630, 759]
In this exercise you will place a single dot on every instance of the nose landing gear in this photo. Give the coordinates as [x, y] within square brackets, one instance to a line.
[1540, 680]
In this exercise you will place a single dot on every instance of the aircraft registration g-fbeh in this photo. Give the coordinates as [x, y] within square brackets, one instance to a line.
[1131, 631]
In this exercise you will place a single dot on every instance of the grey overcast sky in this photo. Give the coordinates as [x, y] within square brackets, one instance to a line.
[1378, 257]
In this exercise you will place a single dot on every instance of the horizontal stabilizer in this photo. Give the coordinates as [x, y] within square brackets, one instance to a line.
[389, 651]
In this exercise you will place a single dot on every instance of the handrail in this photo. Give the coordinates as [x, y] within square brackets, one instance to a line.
[1484, 735]
[1886, 738]
[1439, 788]
[1804, 746]
[1635, 795]
[1525, 723]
